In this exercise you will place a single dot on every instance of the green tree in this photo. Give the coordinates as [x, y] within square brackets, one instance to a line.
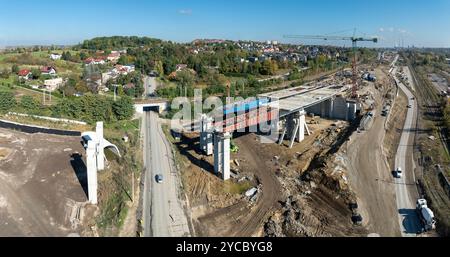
[15, 69]
[28, 103]
[83, 56]
[4, 74]
[123, 108]
[7, 101]
[66, 56]
[36, 73]
[185, 78]
[159, 67]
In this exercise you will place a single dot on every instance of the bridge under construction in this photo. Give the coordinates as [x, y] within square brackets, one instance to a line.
[283, 112]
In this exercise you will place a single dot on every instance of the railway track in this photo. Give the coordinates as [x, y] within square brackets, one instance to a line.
[430, 104]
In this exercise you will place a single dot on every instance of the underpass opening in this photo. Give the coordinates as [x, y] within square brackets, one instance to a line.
[151, 109]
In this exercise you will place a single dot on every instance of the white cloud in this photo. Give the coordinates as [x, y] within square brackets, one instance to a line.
[391, 29]
[381, 29]
[185, 11]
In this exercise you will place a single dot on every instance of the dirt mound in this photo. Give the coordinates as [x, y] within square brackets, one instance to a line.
[316, 191]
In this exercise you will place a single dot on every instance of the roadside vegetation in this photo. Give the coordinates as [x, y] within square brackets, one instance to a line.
[115, 183]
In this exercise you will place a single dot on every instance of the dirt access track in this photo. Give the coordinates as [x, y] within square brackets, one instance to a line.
[40, 193]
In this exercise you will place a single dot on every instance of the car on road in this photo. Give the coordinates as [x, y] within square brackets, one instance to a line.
[159, 178]
[398, 173]
[153, 74]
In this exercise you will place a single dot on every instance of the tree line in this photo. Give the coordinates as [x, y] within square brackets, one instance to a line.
[89, 108]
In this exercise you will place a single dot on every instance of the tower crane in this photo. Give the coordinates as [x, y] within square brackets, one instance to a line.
[354, 40]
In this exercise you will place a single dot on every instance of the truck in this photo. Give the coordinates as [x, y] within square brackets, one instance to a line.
[426, 215]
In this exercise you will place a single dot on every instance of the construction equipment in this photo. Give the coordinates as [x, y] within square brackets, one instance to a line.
[354, 40]
[426, 215]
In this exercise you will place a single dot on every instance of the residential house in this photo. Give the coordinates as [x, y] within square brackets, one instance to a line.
[181, 67]
[95, 61]
[48, 70]
[25, 74]
[55, 56]
[113, 57]
[124, 69]
[53, 84]
[112, 74]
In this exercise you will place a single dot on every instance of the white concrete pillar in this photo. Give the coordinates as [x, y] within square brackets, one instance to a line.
[206, 136]
[226, 173]
[99, 146]
[222, 155]
[331, 108]
[301, 133]
[91, 165]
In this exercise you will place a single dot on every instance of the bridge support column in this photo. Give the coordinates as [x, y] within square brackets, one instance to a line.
[222, 155]
[352, 107]
[296, 126]
[206, 136]
[100, 150]
[331, 108]
[91, 165]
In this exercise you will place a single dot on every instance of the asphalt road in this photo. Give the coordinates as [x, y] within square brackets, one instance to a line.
[163, 211]
[149, 85]
[406, 191]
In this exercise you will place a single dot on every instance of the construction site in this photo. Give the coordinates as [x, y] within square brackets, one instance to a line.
[328, 173]
[40, 194]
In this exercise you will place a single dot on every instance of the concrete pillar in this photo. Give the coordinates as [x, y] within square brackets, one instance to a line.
[301, 132]
[351, 111]
[91, 165]
[99, 148]
[331, 106]
[323, 109]
[206, 136]
[222, 154]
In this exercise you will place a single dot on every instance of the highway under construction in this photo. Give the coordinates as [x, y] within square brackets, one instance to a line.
[303, 152]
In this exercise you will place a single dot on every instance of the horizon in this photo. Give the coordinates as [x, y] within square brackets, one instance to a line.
[6, 47]
[395, 23]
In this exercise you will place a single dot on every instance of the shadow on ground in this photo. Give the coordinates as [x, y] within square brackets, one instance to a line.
[80, 169]
[411, 222]
[188, 145]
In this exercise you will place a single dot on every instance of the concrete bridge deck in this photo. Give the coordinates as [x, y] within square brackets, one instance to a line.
[296, 99]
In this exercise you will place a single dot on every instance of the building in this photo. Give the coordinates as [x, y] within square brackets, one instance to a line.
[181, 67]
[55, 56]
[448, 60]
[95, 61]
[109, 75]
[48, 70]
[25, 74]
[53, 84]
[113, 57]
[124, 69]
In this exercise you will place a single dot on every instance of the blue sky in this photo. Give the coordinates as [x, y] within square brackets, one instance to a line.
[415, 22]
